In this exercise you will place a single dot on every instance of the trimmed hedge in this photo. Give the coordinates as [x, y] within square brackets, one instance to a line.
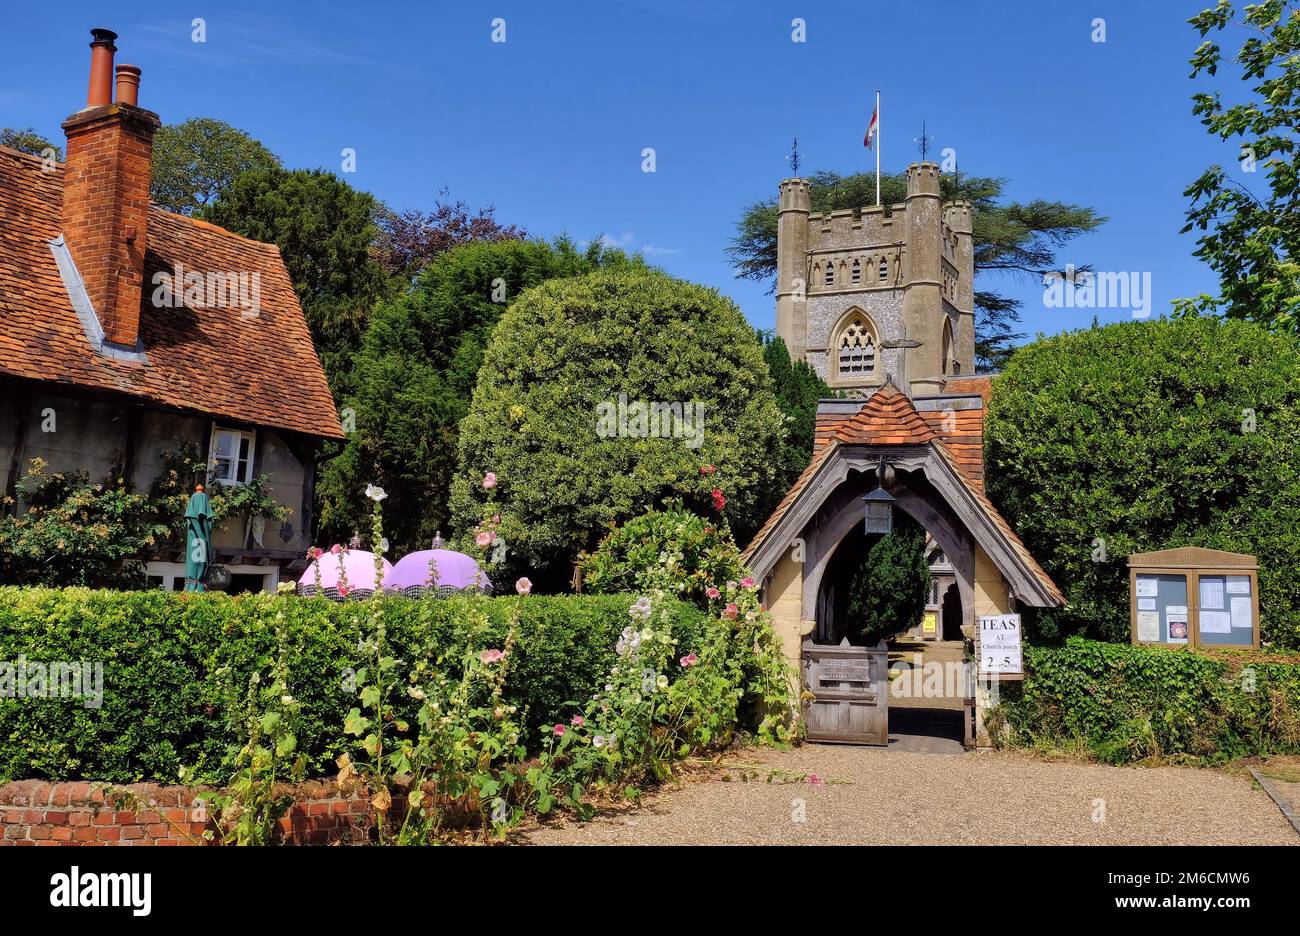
[1140, 436]
[1125, 703]
[170, 662]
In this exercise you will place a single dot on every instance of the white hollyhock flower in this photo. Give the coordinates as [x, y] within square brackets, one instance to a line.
[375, 492]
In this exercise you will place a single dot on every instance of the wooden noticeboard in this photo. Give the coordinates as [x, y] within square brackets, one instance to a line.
[1194, 597]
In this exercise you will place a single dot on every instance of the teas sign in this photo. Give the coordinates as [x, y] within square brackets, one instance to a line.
[1000, 644]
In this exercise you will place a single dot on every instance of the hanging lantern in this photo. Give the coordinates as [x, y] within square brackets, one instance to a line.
[880, 506]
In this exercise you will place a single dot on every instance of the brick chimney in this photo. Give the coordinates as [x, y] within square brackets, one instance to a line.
[106, 192]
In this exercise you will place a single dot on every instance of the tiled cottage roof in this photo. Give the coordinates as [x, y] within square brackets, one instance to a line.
[259, 369]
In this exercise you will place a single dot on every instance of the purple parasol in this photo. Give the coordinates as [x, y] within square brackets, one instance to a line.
[360, 568]
[456, 572]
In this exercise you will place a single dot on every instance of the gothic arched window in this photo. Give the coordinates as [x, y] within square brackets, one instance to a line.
[856, 348]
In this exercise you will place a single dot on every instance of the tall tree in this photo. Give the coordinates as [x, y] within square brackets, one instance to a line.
[325, 230]
[414, 376]
[1252, 230]
[196, 161]
[798, 389]
[1016, 238]
[27, 140]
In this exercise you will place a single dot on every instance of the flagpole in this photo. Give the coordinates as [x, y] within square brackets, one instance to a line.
[877, 147]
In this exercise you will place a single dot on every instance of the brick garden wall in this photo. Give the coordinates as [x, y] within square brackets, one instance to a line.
[37, 812]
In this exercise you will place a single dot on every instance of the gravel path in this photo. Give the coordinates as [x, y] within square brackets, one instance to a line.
[872, 796]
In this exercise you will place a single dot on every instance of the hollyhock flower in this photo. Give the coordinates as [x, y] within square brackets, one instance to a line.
[577, 721]
[689, 660]
[712, 592]
[336, 549]
[558, 731]
[731, 612]
[383, 544]
[491, 656]
[496, 518]
[523, 586]
[314, 552]
[375, 493]
[640, 609]
[343, 591]
[718, 500]
[483, 540]
[747, 582]
[598, 741]
[815, 780]
[489, 481]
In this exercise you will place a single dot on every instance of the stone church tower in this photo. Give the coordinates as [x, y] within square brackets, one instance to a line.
[881, 292]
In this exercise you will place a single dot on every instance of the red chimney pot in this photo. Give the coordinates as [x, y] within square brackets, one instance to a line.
[128, 85]
[101, 68]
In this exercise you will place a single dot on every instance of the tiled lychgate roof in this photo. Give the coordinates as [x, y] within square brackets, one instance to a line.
[888, 417]
[260, 369]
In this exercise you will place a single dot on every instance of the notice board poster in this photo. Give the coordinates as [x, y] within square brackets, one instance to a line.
[1161, 609]
[1000, 645]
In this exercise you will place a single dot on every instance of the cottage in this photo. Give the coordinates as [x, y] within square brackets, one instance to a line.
[108, 362]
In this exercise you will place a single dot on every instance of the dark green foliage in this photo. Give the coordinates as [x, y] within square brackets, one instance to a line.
[1018, 238]
[567, 348]
[171, 661]
[414, 376]
[1125, 703]
[797, 388]
[1141, 436]
[888, 592]
[198, 160]
[325, 230]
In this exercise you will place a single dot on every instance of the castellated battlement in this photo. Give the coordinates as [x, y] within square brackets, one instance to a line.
[866, 292]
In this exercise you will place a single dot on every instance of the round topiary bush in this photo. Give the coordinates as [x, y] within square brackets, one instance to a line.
[601, 396]
[1140, 436]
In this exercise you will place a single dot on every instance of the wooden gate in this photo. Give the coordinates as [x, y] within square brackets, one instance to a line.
[850, 689]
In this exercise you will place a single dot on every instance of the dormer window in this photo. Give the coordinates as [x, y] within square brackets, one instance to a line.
[230, 458]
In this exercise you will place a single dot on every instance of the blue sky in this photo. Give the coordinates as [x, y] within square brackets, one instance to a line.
[549, 126]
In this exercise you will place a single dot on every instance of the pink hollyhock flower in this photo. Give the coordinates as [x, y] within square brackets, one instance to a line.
[491, 656]
[483, 540]
[343, 591]
[712, 592]
[689, 660]
[577, 721]
[558, 731]
[747, 582]
[523, 586]
[496, 518]
[489, 481]
[718, 500]
[336, 549]
[731, 612]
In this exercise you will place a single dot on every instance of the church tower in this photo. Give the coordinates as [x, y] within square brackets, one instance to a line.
[876, 293]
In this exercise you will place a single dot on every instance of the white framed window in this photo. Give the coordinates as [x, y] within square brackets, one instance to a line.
[230, 456]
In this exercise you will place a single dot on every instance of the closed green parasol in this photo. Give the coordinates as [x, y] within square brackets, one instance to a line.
[198, 540]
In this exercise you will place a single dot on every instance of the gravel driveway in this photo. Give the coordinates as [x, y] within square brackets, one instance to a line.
[872, 796]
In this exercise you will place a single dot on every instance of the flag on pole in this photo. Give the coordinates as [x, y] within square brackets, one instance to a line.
[872, 127]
